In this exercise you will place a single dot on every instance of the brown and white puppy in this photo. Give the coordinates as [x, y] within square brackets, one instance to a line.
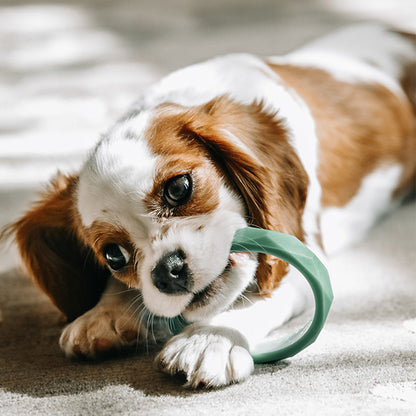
[318, 143]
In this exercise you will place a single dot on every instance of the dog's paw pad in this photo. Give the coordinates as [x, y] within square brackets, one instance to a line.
[76, 351]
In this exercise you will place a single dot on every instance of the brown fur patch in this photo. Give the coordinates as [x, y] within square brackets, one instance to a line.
[360, 127]
[178, 156]
[56, 257]
[265, 171]
[99, 234]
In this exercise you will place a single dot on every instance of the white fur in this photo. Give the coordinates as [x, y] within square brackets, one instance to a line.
[346, 225]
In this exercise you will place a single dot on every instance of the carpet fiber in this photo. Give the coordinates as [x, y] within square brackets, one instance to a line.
[68, 69]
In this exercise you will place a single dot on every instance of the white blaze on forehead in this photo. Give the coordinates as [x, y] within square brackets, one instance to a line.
[117, 176]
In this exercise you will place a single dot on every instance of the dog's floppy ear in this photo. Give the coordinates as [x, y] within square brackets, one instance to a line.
[251, 148]
[54, 254]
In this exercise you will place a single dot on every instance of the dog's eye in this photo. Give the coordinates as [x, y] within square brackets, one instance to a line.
[117, 257]
[177, 190]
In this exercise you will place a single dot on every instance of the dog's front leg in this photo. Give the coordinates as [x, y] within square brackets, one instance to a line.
[256, 317]
[113, 324]
[217, 352]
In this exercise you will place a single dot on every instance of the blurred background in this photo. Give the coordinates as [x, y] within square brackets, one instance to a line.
[68, 69]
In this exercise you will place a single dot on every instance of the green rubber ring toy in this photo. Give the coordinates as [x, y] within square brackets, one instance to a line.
[290, 249]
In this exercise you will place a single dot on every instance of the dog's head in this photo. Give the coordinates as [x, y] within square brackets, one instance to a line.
[157, 205]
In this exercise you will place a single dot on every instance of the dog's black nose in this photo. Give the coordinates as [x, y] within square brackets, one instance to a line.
[171, 274]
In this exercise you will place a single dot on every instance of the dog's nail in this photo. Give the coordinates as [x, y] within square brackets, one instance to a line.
[103, 345]
[76, 349]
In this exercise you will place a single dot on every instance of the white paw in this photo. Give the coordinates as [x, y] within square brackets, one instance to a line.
[208, 356]
[100, 331]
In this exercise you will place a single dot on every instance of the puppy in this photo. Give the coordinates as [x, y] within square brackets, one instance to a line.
[319, 144]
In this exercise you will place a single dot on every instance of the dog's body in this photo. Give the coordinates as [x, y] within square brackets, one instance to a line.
[319, 144]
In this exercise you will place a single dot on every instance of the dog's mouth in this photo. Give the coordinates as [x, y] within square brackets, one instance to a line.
[211, 298]
[203, 297]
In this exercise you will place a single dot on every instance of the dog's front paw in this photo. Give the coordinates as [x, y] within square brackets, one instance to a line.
[99, 332]
[208, 356]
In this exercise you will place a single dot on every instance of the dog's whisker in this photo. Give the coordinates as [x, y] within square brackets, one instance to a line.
[140, 312]
[121, 292]
[246, 299]
[137, 298]
[153, 328]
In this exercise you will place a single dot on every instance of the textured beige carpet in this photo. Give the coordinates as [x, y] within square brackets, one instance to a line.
[364, 362]
[68, 69]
